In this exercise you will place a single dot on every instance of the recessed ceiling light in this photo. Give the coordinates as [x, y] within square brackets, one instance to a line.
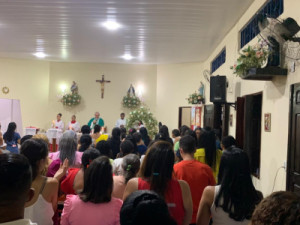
[40, 55]
[127, 57]
[111, 25]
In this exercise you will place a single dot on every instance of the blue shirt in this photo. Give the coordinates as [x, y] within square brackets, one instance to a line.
[12, 145]
[142, 149]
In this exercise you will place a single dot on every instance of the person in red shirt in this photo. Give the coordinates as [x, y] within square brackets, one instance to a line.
[198, 175]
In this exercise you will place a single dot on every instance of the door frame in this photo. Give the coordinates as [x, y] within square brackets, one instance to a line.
[290, 138]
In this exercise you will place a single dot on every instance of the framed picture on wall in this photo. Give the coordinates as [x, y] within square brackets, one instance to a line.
[267, 122]
[230, 120]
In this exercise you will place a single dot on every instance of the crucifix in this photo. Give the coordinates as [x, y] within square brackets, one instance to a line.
[102, 83]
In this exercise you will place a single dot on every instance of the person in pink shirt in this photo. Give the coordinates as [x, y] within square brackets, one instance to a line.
[94, 205]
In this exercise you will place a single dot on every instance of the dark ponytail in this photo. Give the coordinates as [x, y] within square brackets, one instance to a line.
[131, 165]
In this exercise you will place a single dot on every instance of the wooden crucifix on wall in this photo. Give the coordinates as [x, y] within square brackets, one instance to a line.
[102, 83]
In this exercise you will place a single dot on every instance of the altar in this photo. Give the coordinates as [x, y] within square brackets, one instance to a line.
[54, 135]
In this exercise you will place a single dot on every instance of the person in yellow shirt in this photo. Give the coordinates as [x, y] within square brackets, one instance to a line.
[208, 153]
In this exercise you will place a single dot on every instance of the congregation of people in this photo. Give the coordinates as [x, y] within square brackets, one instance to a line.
[130, 178]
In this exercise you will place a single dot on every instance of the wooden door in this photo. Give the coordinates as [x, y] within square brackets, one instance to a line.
[293, 166]
[184, 116]
[252, 131]
[240, 111]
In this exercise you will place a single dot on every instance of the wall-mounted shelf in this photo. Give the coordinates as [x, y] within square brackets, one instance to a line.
[265, 74]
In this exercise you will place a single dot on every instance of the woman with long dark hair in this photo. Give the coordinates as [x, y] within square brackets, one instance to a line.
[208, 153]
[234, 199]
[115, 141]
[156, 174]
[12, 138]
[131, 166]
[145, 136]
[163, 134]
[41, 208]
[94, 205]
[73, 183]
[85, 142]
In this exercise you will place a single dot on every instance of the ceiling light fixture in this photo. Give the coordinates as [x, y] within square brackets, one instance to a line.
[111, 25]
[40, 55]
[127, 57]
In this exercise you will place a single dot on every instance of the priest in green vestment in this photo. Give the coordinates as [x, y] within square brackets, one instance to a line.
[96, 120]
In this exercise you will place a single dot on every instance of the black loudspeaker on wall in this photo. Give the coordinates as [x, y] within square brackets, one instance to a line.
[218, 89]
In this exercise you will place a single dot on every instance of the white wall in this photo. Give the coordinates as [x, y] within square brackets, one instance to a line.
[175, 82]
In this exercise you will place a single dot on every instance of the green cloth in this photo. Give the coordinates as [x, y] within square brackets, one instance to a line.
[100, 122]
[176, 146]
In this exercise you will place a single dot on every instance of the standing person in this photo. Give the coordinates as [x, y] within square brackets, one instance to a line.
[208, 153]
[74, 125]
[96, 120]
[115, 141]
[182, 130]
[234, 199]
[198, 175]
[122, 121]
[94, 205]
[58, 123]
[282, 207]
[175, 136]
[15, 191]
[12, 138]
[227, 143]
[44, 202]
[156, 174]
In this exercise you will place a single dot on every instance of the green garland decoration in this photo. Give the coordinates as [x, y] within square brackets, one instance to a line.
[131, 102]
[71, 99]
[143, 114]
[195, 98]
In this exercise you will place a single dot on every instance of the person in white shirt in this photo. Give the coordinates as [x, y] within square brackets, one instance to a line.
[58, 123]
[15, 183]
[122, 121]
[74, 125]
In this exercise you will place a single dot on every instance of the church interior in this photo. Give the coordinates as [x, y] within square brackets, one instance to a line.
[167, 50]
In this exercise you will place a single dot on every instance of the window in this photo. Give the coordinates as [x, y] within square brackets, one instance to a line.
[218, 61]
[273, 8]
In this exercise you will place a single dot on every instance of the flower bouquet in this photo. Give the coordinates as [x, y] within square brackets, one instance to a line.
[195, 98]
[252, 57]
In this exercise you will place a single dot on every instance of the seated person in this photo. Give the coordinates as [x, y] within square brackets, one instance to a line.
[15, 191]
[44, 202]
[85, 129]
[94, 205]
[147, 208]
[141, 147]
[131, 166]
[125, 149]
[73, 183]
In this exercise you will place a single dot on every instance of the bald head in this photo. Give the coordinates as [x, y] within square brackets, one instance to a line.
[97, 115]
